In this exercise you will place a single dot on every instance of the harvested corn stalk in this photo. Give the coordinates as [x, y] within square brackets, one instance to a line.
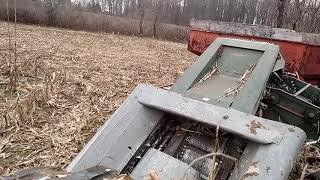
[212, 71]
[69, 83]
[235, 90]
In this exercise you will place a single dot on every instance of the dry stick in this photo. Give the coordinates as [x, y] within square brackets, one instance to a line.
[13, 74]
[314, 171]
[207, 156]
[313, 142]
[212, 174]
[214, 154]
[15, 35]
[159, 72]
[187, 130]
[8, 14]
[303, 174]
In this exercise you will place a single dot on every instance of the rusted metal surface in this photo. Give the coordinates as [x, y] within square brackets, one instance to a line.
[300, 57]
[255, 30]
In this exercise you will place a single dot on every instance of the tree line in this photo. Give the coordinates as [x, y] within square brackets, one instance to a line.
[147, 15]
[299, 15]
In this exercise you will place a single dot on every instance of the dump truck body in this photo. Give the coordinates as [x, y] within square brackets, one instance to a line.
[301, 51]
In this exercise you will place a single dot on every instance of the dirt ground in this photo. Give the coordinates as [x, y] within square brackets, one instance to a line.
[64, 84]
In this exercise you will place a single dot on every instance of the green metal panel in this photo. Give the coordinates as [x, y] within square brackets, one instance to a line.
[232, 58]
[212, 90]
[309, 93]
[235, 61]
[198, 69]
[285, 107]
[256, 84]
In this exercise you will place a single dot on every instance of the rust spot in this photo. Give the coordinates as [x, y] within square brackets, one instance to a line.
[255, 163]
[254, 126]
[153, 175]
[253, 170]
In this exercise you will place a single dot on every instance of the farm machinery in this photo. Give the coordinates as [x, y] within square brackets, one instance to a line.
[234, 114]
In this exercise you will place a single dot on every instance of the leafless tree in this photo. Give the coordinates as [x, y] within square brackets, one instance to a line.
[141, 11]
[299, 15]
[281, 8]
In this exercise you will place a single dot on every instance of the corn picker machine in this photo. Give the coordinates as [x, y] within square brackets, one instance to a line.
[234, 114]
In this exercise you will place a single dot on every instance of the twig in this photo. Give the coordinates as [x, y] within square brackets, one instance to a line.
[212, 174]
[13, 70]
[303, 172]
[313, 142]
[314, 171]
[15, 35]
[235, 90]
[159, 71]
[207, 156]
[214, 69]
[167, 85]
[8, 14]
[32, 154]
[187, 130]
[297, 74]
[213, 154]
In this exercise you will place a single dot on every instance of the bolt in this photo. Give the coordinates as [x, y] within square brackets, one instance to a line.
[311, 115]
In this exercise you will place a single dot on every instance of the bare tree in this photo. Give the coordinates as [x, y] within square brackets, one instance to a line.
[158, 6]
[141, 6]
[313, 17]
[281, 7]
[300, 9]
[300, 15]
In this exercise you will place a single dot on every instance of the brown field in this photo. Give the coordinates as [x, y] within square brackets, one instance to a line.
[64, 83]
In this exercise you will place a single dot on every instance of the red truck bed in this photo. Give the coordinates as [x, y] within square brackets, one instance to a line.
[301, 57]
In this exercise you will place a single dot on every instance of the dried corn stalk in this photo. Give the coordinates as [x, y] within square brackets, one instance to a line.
[70, 82]
[213, 71]
[235, 90]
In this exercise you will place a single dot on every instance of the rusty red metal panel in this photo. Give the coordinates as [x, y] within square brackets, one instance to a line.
[311, 66]
[293, 53]
[199, 41]
[300, 57]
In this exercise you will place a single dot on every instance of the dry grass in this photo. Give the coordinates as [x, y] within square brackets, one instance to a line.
[308, 163]
[67, 83]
